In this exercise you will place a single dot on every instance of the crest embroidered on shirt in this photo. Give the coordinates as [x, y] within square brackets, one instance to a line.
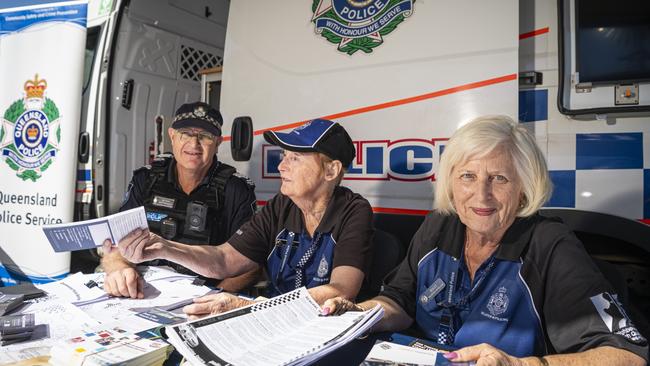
[498, 302]
[323, 267]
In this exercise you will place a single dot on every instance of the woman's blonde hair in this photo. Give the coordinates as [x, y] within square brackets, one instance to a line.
[480, 137]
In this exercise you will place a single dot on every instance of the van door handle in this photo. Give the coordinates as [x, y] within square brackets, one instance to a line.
[241, 143]
[84, 147]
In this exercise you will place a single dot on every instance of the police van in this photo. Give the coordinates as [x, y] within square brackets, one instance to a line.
[400, 76]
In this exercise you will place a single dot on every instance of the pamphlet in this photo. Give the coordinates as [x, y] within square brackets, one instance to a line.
[388, 353]
[92, 233]
[285, 330]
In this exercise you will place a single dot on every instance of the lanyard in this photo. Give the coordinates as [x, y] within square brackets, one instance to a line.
[286, 253]
[447, 326]
[305, 258]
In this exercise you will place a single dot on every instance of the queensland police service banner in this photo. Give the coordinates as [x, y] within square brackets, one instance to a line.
[41, 68]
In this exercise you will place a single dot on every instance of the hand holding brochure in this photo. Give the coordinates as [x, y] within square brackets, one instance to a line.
[392, 354]
[285, 330]
[92, 233]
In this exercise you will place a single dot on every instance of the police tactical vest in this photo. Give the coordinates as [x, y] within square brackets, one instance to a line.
[177, 216]
[164, 203]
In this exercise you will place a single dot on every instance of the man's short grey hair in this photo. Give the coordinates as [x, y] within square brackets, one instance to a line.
[479, 138]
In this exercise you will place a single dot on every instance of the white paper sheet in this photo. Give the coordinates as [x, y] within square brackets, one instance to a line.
[160, 293]
[387, 351]
[74, 289]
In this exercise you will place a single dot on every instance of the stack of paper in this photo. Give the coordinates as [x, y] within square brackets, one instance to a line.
[285, 330]
[109, 347]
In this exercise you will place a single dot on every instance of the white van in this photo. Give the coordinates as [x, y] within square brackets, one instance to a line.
[401, 76]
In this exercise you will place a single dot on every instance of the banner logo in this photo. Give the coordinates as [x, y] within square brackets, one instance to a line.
[30, 132]
[358, 25]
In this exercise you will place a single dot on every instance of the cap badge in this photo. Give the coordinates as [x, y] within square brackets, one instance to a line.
[199, 112]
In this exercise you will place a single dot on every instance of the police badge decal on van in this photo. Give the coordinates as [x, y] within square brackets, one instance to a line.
[30, 132]
[358, 25]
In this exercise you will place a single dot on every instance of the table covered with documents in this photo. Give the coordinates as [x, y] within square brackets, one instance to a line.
[81, 325]
[76, 309]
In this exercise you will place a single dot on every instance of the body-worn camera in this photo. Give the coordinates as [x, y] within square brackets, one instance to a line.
[197, 213]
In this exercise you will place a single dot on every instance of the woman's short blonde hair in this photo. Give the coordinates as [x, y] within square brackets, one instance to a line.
[479, 138]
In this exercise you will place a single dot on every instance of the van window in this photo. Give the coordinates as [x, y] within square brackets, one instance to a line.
[92, 40]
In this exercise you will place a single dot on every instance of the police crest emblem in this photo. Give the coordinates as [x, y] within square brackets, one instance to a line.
[30, 132]
[323, 267]
[358, 25]
[498, 302]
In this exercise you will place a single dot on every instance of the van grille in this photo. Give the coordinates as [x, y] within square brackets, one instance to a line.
[193, 60]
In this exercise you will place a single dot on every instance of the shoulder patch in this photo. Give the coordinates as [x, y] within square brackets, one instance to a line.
[244, 178]
[142, 170]
[615, 318]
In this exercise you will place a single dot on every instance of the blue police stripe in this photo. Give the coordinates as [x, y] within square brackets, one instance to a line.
[646, 193]
[533, 105]
[564, 188]
[609, 151]
[83, 174]
[6, 275]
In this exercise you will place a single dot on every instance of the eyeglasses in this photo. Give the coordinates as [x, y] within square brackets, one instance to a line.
[205, 138]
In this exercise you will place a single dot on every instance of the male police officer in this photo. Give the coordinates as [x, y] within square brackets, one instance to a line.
[189, 197]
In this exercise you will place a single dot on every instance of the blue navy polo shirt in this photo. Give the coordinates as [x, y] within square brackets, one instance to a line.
[539, 293]
[277, 239]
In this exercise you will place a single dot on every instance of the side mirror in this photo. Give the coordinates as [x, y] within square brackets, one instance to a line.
[241, 143]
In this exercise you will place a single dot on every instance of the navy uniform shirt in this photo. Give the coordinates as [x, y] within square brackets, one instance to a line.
[276, 238]
[539, 293]
[239, 198]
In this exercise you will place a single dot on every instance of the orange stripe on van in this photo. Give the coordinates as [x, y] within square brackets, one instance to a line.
[418, 98]
[534, 33]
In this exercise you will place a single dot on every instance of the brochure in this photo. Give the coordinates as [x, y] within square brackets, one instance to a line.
[285, 330]
[92, 233]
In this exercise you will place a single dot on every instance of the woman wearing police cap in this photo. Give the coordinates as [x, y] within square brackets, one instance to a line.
[314, 233]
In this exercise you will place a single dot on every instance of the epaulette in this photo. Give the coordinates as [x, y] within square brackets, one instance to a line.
[245, 178]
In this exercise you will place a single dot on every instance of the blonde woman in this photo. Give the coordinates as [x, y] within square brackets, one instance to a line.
[485, 273]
